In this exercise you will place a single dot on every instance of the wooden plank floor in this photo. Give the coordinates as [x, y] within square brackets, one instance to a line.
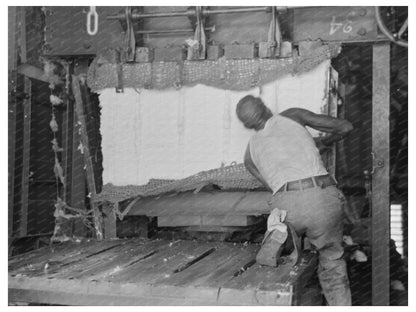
[153, 272]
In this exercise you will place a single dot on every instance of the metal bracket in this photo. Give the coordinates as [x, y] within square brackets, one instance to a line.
[130, 39]
[197, 48]
[275, 36]
[376, 163]
[119, 70]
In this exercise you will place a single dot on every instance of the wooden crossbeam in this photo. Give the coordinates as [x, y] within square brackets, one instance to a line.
[208, 220]
[33, 72]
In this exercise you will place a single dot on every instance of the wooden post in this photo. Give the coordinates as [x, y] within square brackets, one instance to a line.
[110, 222]
[77, 194]
[333, 112]
[88, 166]
[11, 113]
[73, 162]
[27, 111]
[66, 144]
[380, 178]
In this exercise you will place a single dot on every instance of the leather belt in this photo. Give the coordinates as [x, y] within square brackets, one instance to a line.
[322, 181]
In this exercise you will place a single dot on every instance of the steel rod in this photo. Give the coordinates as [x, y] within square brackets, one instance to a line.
[191, 12]
[167, 31]
[402, 29]
[239, 10]
[387, 32]
[136, 16]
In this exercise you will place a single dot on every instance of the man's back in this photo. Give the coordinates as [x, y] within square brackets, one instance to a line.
[285, 151]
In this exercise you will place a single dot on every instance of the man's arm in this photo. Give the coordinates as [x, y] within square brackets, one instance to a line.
[337, 128]
[251, 167]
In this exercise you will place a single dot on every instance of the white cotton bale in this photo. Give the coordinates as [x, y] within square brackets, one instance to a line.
[120, 149]
[171, 134]
[159, 136]
[203, 118]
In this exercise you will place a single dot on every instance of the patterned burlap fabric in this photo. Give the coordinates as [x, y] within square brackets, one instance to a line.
[226, 178]
[223, 73]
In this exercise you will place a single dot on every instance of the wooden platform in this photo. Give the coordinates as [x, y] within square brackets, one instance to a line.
[154, 272]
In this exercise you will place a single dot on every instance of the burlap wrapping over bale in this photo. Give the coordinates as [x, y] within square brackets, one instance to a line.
[228, 177]
[224, 74]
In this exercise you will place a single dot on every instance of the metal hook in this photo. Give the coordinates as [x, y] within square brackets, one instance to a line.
[90, 14]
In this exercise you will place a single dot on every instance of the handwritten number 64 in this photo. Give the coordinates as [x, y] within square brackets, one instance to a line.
[334, 26]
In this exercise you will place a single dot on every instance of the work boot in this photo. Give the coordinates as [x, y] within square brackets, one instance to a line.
[271, 248]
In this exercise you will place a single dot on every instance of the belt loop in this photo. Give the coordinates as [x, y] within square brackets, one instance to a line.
[301, 186]
[285, 188]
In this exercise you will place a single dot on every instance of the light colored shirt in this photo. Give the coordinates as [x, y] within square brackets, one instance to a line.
[284, 151]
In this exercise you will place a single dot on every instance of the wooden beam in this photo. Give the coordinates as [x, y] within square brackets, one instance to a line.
[12, 17]
[32, 72]
[380, 178]
[79, 108]
[27, 111]
[110, 222]
[12, 14]
[66, 139]
[207, 220]
[335, 23]
[77, 193]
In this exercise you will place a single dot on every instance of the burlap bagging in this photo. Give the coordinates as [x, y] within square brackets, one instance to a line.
[223, 73]
[226, 178]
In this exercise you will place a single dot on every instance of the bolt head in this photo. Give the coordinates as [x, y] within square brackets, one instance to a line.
[362, 31]
[362, 12]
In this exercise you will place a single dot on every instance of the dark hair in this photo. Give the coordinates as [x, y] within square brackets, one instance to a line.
[246, 100]
[252, 112]
[254, 101]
